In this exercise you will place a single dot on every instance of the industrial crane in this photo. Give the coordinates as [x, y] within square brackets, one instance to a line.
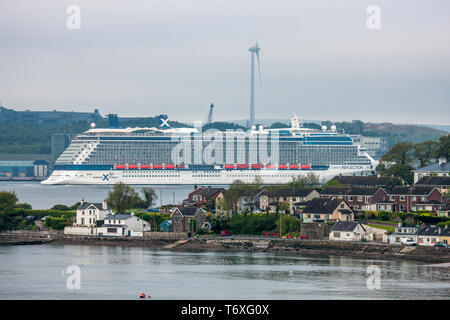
[210, 114]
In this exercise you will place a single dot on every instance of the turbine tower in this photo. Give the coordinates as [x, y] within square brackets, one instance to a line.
[254, 50]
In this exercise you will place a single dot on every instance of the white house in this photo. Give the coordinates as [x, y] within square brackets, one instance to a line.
[123, 225]
[428, 236]
[348, 231]
[85, 222]
[89, 213]
[402, 232]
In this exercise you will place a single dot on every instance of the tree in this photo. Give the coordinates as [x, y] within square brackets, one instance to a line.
[332, 183]
[426, 151]
[122, 197]
[149, 195]
[444, 147]
[402, 171]
[400, 153]
[302, 181]
[8, 201]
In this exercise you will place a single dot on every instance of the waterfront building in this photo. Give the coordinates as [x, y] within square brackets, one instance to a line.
[348, 231]
[428, 235]
[188, 219]
[23, 169]
[89, 213]
[324, 210]
[123, 225]
[402, 232]
[440, 169]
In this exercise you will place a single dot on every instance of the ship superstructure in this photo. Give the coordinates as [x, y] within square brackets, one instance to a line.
[168, 155]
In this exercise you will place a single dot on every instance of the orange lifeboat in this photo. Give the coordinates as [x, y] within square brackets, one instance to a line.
[293, 166]
[133, 166]
[229, 166]
[145, 166]
[306, 166]
[242, 166]
[170, 166]
[157, 166]
[257, 166]
[282, 166]
[271, 166]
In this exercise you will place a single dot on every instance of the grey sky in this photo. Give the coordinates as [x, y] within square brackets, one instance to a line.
[141, 58]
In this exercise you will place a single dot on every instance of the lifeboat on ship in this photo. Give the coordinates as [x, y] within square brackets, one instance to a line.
[306, 166]
[271, 166]
[242, 166]
[133, 166]
[294, 166]
[180, 166]
[229, 166]
[257, 166]
[120, 166]
[169, 166]
[282, 166]
[145, 166]
[157, 166]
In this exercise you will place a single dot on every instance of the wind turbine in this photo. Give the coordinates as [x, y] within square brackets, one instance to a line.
[254, 50]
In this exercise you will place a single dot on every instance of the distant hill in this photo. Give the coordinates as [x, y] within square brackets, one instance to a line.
[438, 127]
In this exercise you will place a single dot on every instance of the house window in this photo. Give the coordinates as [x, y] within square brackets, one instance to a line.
[337, 234]
[359, 198]
[342, 206]
[424, 198]
[402, 198]
[367, 199]
[414, 198]
[392, 198]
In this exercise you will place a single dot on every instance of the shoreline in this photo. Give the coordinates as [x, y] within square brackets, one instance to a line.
[317, 248]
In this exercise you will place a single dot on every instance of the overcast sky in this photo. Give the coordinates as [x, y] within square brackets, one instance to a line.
[141, 58]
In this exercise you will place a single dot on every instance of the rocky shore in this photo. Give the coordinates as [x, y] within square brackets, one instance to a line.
[323, 248]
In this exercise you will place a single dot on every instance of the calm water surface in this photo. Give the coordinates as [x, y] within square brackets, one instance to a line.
[45, 196]
[37, 272]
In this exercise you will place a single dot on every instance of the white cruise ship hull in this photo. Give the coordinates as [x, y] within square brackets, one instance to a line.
[188, 177]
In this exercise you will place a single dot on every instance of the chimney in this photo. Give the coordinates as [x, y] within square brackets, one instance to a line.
[442, 161]
[82, 201]
[104, 205]
[132, 213]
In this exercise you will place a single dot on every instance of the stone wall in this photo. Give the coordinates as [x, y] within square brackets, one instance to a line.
[315, 230]
[165, 235]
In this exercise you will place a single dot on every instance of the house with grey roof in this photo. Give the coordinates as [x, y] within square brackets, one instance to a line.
[88, 213]
[442, 183]
[323, 210]
[358, 198]
[189, 219]
[348, 231]
[440, 169]
[402, 232]
[123, 225]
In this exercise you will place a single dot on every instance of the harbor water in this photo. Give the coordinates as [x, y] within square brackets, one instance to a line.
[41, 272]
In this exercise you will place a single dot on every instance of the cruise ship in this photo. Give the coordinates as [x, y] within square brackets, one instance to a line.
[166, 155]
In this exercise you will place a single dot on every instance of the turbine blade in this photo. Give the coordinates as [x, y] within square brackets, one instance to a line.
[259, 68]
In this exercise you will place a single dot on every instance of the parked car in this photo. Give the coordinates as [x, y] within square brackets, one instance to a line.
[289, 236]
[441, 244]
[225, 233]
[43, 218]
[408, 242]
[303, 237]
[152, 209]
